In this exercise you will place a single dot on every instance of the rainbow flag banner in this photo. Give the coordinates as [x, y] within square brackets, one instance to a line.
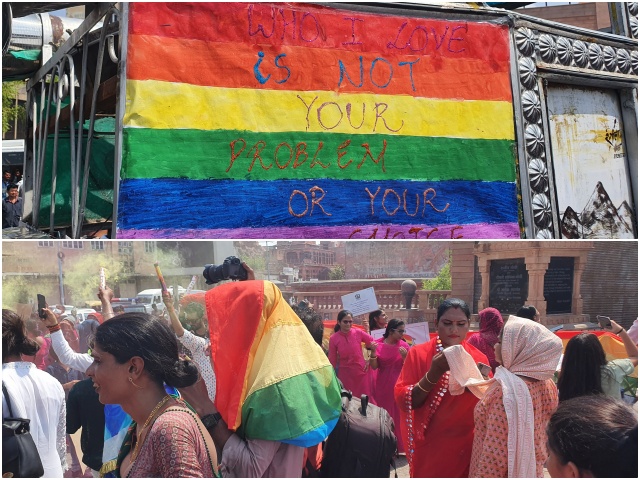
[303, 121]
[273, 381]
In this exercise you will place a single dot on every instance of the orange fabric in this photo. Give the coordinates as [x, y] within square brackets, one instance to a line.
[312, 459]
[613, 346]
[444, 450]
[234, 311]
[225, 65]
[489, 458]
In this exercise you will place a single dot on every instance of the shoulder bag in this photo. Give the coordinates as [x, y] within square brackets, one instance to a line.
[20, 455]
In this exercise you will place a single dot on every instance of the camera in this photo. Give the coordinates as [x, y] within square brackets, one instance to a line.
[231, 269]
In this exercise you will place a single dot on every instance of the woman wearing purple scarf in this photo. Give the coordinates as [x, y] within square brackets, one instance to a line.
[491, 324]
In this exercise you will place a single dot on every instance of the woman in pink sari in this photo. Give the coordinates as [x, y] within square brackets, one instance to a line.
[388, 359]
[345, 354]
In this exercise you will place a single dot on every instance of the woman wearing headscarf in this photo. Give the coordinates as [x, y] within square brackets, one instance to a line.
[511, 418]
[491, 323]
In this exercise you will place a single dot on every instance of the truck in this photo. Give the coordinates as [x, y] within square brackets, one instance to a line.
[338, 120]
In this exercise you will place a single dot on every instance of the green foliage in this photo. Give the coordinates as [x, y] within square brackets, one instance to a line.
[81, 278]
[337, 273]
[9, 109]
[18, 289]
[630, 386]
[442, 280]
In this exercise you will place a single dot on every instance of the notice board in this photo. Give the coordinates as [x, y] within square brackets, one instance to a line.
[508, 284]
[558, 285]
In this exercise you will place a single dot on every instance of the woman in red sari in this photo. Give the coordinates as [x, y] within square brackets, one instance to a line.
[437, 428]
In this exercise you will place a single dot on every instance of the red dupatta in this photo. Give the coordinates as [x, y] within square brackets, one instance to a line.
[450, 428]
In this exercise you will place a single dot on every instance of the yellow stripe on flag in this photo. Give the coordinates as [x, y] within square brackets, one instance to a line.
[165, 105]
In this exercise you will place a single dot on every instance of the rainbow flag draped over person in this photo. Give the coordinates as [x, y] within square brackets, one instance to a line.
[292, 120]
[273, 381]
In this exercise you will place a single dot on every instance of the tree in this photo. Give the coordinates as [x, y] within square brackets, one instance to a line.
[442, 280]
[18, 289]
[337, 273]
[81, 278]
[11, 111]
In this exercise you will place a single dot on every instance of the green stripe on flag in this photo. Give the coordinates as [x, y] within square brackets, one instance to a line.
[243, 155]
[312, 399]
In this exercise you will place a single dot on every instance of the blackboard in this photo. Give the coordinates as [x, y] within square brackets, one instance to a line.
[508, 284]
[558, 285]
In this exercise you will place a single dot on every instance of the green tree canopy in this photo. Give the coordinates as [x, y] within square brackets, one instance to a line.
[10, 111]
[442, 280]
[337, 273]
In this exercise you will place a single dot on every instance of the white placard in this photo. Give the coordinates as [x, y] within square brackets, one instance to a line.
[360, 302]
[419, 332]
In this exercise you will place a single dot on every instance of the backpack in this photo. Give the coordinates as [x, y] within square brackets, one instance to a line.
[362, 444]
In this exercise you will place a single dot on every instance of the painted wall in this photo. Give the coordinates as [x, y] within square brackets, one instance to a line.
[590, 163]
[298, 121]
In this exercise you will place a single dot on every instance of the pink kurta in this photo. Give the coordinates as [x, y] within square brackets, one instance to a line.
[345, 354]
[389, 366]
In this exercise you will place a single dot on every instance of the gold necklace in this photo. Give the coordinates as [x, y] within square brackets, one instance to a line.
[136, 449]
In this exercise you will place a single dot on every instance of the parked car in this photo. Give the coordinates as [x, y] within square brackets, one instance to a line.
[138, 307]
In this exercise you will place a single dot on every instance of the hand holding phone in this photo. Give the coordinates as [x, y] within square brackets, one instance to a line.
[42, 304]
[605, 322]
[485, 369]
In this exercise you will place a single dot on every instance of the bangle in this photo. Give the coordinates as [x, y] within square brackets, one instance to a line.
[620, 331]
[372, 357]
[54, 328]
[420, 387]
[426, 375]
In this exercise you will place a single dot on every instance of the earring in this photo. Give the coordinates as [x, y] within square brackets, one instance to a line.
[137, 386]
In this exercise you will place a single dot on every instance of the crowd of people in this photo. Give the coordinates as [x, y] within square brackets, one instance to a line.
[168, 395]
[11, 198]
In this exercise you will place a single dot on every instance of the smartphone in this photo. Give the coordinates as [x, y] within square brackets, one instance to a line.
[485, 369]
[42, 304]
[605, 322]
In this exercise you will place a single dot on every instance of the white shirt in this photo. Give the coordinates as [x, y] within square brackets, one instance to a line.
[38, 396]
[197, 346]
[77, 361]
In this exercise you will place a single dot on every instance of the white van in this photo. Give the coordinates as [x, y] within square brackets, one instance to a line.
[154, 295]
[12, 153]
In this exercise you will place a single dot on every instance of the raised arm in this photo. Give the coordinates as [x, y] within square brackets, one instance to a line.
[629, 344]
[77, 361]
[173, 316]
[105, 295]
